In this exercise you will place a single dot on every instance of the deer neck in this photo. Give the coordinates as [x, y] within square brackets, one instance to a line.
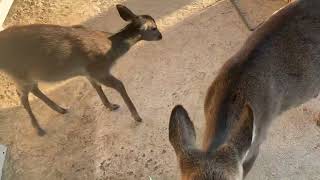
[121, 43]
[125, 39]
[226, 119]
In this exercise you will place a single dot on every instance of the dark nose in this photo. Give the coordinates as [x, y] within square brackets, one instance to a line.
[160, 36]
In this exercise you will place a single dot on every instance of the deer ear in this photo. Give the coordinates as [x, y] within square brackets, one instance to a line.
[242, 135]
[182, 135]
[125, 13]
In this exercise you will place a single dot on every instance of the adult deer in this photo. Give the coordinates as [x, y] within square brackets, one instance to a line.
[34, 53]
[277, 68]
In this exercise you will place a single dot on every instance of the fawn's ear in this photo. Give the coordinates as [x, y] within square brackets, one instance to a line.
[182, 135]
[125, 13]
[241, 135]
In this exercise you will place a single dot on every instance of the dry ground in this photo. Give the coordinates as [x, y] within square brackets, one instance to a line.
[92, 143]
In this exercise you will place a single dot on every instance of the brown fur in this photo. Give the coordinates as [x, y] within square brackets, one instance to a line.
[276, 69]
[231, 71]
[40, 52]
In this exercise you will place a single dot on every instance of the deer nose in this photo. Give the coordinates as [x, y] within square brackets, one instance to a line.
[160, 36]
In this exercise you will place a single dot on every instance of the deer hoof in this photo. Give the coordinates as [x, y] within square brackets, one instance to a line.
[138, 119]
[41, 132]
[63, 111]
[113, 107]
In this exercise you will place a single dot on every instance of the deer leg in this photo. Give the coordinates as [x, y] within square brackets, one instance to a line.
[102, 96]
[116, 84]
[23, 94]
[37, 92]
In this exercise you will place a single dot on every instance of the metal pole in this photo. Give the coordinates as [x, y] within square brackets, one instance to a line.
[244, 20]
[3, 150]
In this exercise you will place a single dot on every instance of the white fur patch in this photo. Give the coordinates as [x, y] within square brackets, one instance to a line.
[252, 141]
[240, 175]
[148, 25]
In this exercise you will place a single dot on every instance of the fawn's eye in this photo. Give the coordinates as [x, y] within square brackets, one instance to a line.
[153, 29]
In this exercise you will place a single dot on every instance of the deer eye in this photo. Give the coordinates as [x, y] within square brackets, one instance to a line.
[153, 29]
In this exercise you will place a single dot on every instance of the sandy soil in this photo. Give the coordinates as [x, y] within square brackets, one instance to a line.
[92, 143]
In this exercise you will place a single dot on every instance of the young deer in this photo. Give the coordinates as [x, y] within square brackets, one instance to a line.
[35, 53]
[277, 68]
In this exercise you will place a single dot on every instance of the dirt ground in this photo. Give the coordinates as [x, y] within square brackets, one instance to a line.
[92, 143]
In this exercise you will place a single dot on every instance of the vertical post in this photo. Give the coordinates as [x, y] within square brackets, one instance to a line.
[3, 150]
[244, 20]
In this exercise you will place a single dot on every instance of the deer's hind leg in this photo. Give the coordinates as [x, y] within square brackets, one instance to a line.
[37, 92]
[23, 90]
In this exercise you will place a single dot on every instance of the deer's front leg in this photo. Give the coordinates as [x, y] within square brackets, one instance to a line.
[102, 96]
[116, 84]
